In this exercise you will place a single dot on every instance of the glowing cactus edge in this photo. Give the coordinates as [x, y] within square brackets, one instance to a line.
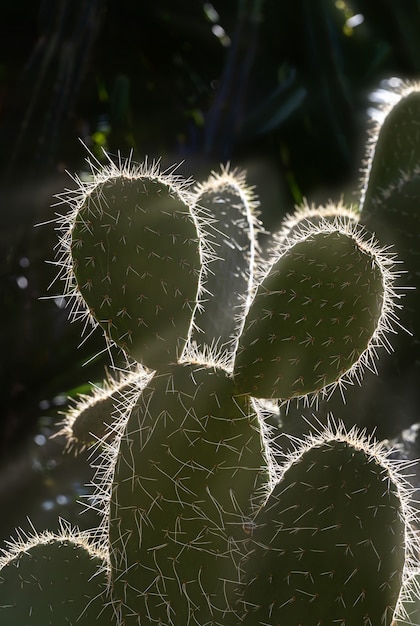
[206, 520]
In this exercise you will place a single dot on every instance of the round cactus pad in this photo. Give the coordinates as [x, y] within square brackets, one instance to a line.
[328, 545]
[54, 582]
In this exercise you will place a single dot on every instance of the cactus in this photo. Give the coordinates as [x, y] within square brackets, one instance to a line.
[92, 416]
[204, 522]
[51, 579]
[322, 309]
[332, 535]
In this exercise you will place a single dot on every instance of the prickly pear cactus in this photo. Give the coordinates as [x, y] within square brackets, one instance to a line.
[47, 580]
[322, 309]
[204, 522]
[320, 551]
[189, 474]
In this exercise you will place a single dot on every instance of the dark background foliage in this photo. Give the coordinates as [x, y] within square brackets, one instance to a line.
[280, 88]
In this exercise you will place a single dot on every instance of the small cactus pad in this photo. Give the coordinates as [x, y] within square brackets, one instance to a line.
[92, 418]
[328, 546]
[190, 469]
[136, 258]
[316, 314]
[219, 317]
[53, 581]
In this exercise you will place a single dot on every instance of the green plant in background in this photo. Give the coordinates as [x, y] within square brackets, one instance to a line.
[205, 521]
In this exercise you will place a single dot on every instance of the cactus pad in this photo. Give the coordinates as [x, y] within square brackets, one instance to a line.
[218, 319]
[323, 304]
[329, 545]
[190, 469]
[136, 256]
[53, 580]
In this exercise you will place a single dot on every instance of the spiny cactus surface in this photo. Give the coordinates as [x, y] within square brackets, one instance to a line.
[136, 258]
[315, 315]
[191, 469]
[329, 545]
[53, 581]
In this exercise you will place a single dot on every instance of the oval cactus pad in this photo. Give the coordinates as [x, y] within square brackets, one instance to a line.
[329, 545]
[136, 258]
[321, 308]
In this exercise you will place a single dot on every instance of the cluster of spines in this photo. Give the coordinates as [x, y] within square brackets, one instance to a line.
[305, 213]
[390, 193]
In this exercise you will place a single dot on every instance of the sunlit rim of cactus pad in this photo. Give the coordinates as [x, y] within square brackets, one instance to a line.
[313, 213]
